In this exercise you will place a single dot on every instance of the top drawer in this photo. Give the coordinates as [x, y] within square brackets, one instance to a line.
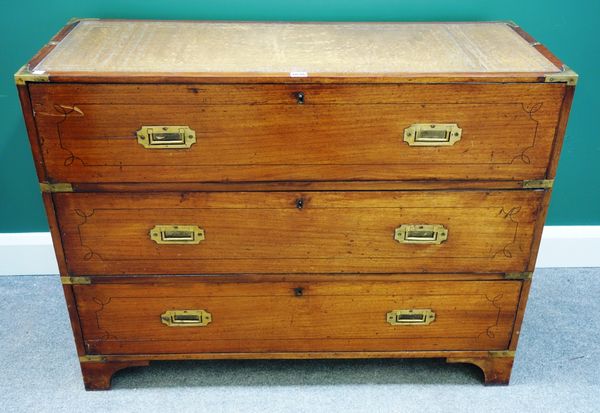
[301, 132]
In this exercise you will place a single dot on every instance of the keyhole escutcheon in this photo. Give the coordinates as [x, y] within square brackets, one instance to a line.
[299, 97]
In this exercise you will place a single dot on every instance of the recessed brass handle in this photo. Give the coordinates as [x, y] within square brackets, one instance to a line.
[166, 137]
[186, 318]
[411, 317]
[432, 134]
[421, 234]
[177, 234]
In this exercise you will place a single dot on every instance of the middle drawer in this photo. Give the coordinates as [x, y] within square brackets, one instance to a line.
[287, 232]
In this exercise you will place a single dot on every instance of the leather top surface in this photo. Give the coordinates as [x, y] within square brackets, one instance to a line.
[292, 49]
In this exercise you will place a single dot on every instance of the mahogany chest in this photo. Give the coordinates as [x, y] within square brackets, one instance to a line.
[295, 190]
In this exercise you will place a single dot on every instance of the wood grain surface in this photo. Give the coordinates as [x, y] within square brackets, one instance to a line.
[293, 186]
[282, 232]
[260, 132]
[325, 316]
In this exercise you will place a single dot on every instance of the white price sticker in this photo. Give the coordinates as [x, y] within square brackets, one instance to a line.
[298, 74]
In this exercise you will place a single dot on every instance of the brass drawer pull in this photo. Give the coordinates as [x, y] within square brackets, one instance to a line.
[177, 234]
[412, 317]
[186, 318]
[166, 137]
[421, 234]
[432, 134]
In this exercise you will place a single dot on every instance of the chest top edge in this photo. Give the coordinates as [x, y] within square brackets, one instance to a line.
[95, 50]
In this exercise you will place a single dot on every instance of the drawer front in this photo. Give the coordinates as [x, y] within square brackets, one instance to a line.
[264, 133]
[311, 316]
[285, 232]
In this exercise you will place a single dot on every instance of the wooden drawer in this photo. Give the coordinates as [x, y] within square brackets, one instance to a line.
[286, 232]
[125, 318]
[262, 133]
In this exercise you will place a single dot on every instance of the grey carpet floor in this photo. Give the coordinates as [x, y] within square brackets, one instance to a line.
[557, 367]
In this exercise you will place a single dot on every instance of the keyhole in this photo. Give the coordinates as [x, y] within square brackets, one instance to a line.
[298, 291]
[299, 97]
[299, 203]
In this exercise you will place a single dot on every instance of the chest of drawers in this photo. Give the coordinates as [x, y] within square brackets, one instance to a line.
[295, 190]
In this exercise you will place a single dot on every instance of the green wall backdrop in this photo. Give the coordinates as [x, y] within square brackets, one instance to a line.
[569, 29]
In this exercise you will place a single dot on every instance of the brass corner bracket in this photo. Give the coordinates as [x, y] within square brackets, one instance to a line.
[58, 187]
[92, 358]
[510, 23]
[518, 275]
[75, 280]
[567, 76]
[538, 183]
[502, 353]
[23, 76]
[78, 19]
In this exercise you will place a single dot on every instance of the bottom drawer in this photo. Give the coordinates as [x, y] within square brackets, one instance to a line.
[164, 317]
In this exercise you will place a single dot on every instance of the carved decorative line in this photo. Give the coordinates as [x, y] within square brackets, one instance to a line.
[510, 214]
[530, 110]
[102, 304]
[67, 111]
[90, 254]
[494, 301]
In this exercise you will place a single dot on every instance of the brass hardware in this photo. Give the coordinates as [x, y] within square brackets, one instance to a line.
[166, 137]
[518, 275]
[567, 76]
[92, 358]
[79, 19]
[432, 134]
[177, 234]
[411, 317]
[23, 76]
[421, 234]
[538, 183]
[502, 353]
[186, 318]
[75, 280]
[58, 187]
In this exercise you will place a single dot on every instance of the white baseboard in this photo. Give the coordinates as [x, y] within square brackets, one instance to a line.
[27, 253]
[570, 246]
[562, 246]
